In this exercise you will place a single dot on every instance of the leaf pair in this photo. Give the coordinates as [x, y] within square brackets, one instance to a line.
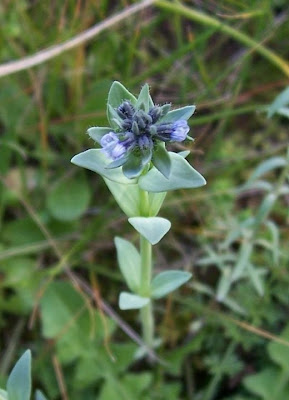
[162, 284]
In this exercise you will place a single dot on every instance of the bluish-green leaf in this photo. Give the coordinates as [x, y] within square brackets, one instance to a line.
[126, 196]
[129, 262]
[133, 167]
[95, 160]
[19, 381]
[152, 228]
[168, 281]
[129, 301]
[161, 160]
[155, 202]
[3, 395]
[96, 133]
[180, 113]
[182, 176]
[39, 395]
[144, 100]
[281, 100]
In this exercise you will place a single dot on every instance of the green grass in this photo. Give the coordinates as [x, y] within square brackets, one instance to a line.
[230, 59]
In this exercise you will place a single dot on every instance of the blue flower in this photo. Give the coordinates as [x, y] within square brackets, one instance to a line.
[139, 132]
[180, 130]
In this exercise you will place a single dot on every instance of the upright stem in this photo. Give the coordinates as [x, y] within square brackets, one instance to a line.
[146, 312]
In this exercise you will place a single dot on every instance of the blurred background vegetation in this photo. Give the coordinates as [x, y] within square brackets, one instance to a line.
[222, 338]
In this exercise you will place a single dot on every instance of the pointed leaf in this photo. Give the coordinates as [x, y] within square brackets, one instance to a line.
[144, 100]
[39, 395]
[95, 160]
[96, 133]
[281, 100]
[182, 176]
[167, 281]
[152, 228]
[180, 113]
[133, 167]
[19, 381]
[129, 262]
[129, 301]
[161, 160]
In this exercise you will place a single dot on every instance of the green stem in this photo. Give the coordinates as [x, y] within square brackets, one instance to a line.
[146, 312]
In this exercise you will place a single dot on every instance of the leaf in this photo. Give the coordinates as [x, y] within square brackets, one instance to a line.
[180, 113]
[117, 94]
[69, 199]
[161, 160]
[144, 100]
[19, 381]
[126, 196]
[155, 202]
[274, 230]
[96, 133]
[279, 352]
[254, 276]
[281, 100]
[152, 228]
[129, 262]
[3, 395]
[129, 301]
[95, 160]
[39, 395]
[133, 167]
[267, 166]
[182, 176]
[167, 281]
[263, 384]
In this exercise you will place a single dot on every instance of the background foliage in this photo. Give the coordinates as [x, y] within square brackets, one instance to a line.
[222, 337]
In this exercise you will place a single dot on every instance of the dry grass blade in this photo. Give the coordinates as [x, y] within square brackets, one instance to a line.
[46, 54]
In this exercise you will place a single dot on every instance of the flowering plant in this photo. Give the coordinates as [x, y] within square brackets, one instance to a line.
[139, 171]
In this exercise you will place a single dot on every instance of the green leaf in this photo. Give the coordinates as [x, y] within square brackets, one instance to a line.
[264, 382]
[117, 94]
[19, 381]
[96, 133]
[96, 161]
[133, 167]
[144, 100]
[161, 160]
[281, 100]
[69, 199]
[39, 395]
[129, 262]
[180, 113]
[129, 301]
[167, 281]
[182, 176]
[152, 228]
[278, 352]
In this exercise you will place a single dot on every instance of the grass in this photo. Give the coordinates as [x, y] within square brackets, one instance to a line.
[228, 58]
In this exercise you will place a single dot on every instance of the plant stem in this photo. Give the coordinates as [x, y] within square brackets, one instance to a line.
[146, 312]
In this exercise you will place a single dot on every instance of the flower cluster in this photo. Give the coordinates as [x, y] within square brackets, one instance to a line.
[140, 131]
